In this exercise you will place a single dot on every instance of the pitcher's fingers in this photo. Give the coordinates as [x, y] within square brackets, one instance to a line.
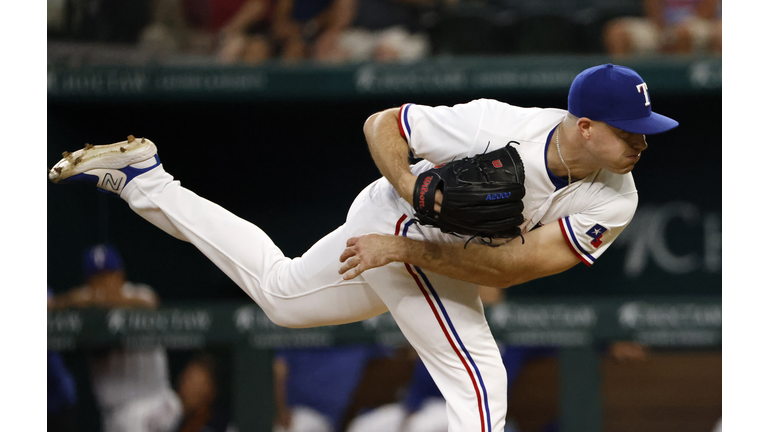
[347, 254]
[353, 272]
[346, 266]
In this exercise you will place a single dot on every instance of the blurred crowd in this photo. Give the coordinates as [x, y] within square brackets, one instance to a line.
[335, 31]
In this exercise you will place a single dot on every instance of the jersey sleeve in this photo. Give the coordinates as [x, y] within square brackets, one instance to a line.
[441, 134]
[591, 232]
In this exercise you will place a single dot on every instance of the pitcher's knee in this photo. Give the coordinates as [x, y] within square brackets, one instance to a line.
[288, 320]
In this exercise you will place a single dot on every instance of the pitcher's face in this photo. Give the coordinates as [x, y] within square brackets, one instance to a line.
[617, 151]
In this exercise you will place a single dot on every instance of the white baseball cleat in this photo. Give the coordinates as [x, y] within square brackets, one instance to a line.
[110, 166]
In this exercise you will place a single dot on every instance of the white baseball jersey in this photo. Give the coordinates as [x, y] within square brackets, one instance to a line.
[120, 376]
[591, 212]
[442, 318]
[132, 386]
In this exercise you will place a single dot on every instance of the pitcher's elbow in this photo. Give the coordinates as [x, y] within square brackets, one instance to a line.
[369, 124]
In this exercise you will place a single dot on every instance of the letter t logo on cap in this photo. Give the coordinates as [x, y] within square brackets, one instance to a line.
[644, 88]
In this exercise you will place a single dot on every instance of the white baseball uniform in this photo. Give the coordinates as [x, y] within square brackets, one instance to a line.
[442, 318]
[132, 386]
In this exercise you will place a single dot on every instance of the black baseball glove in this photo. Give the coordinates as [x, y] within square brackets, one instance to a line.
[482, 195]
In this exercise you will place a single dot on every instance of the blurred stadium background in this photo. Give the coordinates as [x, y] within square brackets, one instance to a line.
[281, 145]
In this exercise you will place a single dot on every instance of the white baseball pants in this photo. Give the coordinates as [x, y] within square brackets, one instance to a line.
[161, 412]
[442, 318]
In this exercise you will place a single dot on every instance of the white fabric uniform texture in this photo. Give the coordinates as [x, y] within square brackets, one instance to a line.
[431, 417]
[159, 412]
[306, 419]
[122, 375]
[133, 391]
[442, 318]
[132, 387]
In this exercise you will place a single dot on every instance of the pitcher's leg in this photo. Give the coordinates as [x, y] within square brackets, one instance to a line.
[443, 320]
[301, 292]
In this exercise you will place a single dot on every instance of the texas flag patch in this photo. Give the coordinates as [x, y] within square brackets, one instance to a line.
[596, 233]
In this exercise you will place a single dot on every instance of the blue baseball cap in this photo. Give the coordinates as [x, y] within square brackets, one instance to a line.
[616, 95]
[101, 258]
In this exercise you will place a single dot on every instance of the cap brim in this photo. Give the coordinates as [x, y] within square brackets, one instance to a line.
[653, 124]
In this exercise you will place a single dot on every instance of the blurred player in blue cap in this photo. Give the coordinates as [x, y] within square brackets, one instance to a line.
[132, 387]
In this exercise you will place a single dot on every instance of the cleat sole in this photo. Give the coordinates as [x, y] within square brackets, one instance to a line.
[109, 156]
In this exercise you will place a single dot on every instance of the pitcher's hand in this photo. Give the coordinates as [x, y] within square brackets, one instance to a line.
[366, 252]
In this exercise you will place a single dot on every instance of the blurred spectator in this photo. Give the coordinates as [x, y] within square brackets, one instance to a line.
[131, 387]
[99, 21]
[62, 391]
[197, 386]
[668, 27]
[230, 30]
[314, 386]
[309, 29]
[245, 34]
[386, 30]
[250, 31]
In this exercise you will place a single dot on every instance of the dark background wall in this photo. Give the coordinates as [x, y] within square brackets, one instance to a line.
[294, 167]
